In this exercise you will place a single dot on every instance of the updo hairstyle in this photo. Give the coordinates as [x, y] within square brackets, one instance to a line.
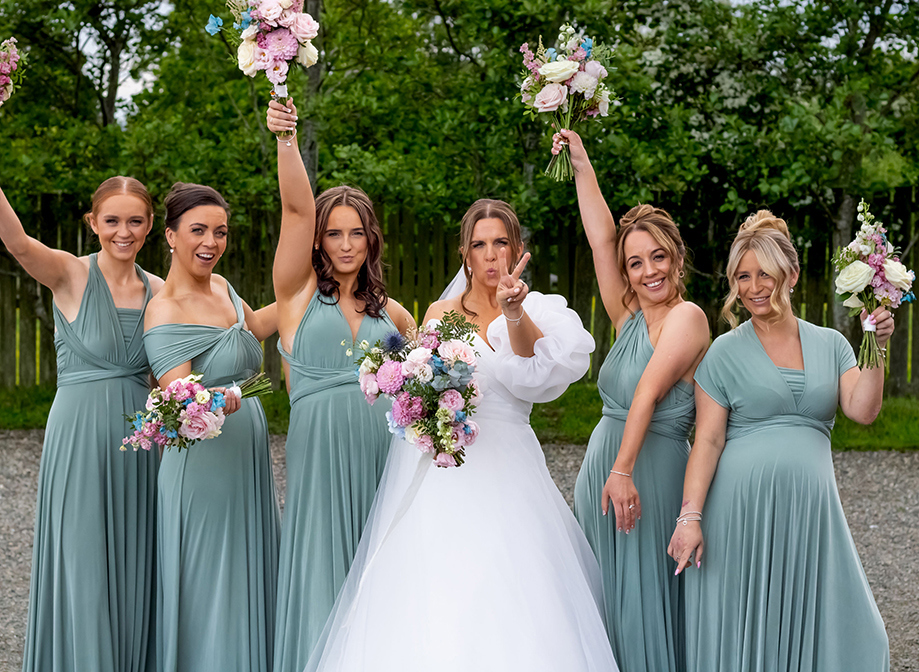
[660, 226]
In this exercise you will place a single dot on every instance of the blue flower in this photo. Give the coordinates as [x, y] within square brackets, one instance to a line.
[188, 401]
[909, 297]
[437, 364]
[587, 45]
[214, 24]
[393, 342]
[246, 19]
[218, 400]
[551, 53]
[395, 428]
[467, 429]
[172, 434]
[460, 416]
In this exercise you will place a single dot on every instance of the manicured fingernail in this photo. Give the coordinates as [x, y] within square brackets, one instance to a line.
[296, 118]
[604, 512]
[516, 290]
[676, 572]
[286, 110]
[699, 564]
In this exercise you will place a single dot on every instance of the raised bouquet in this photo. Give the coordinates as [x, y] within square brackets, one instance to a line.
[566, 83]
[271, 36]
[429, 379]
[11, 65]
[186, 412]
[870, 274]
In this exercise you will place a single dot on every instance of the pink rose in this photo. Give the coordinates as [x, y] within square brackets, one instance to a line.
[369, 387]
[429, 340]
[390, 378]
[415, 361]
[473, 432]
[594, 69]
[451, 400]
[445, 460]
[455, 350]
[551, 97]
[304, 27]
[204, 426]
[270, 11]
[424, 443]
[458, 434]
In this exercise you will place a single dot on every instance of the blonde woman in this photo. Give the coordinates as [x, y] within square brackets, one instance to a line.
[777, 585]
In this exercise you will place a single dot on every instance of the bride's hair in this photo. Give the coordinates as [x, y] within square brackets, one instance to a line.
[660, 226]
[487, 208]
[767, 237]
[370, 286]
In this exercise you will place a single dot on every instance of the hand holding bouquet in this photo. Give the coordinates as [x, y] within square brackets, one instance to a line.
[429, 379]
[870, 275]
[271, 35]
[11, 66]
[186, 412]
[567, 83]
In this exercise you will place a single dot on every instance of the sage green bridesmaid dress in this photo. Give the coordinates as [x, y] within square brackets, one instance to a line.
[781, 587]
[92, 594]
[218, 518]
[337, 446]
[644, 600]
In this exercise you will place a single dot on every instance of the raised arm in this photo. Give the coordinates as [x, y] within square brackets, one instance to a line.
[293, 268]
[711, 429]
[861, 391]
[599, 225]
[680, 347]
[55, 269]
[521, 330]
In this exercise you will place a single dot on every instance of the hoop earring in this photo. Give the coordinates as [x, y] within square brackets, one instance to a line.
[682, 273]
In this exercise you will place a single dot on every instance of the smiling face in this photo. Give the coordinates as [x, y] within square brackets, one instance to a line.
[649, 268]
[121, 222]
[756, 289]
[199, 239]
[344, 240]
[488, 236]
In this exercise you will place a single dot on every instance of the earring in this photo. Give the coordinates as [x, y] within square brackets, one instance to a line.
[682, 274]
[791, 291]
[469, 268]
[171, 250]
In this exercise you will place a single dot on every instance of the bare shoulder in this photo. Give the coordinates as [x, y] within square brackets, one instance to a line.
[161, 309]
[156, 282]
[400, 315]
[440, 308]
[688, 317]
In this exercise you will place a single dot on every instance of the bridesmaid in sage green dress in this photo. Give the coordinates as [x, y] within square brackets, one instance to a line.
[777, 585]
[217, 525]
[637, 454]
[336, 443]
[92, 593]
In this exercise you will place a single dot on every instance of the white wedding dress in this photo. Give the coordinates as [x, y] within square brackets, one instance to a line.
[482, 567]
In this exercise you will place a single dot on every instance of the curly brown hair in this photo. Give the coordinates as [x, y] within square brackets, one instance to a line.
[370, 286]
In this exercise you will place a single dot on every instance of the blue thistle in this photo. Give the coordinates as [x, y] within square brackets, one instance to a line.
[393, 342]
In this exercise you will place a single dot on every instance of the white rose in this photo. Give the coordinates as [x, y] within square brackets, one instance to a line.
[559, 71]
[853, 302]
[897, 275]
[203, 397]
[367, 366]
[424, 374]
[250, 32]
[866, 249]
[245, 55]
[854, 277]
[307, 55]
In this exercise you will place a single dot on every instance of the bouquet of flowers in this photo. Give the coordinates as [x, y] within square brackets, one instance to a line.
[429, 379]
[270, 36]
[11, 64]
[186, 412]
[870, 275]
[567, 83]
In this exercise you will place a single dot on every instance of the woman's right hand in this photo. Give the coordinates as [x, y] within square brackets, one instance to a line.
[621, 495]
[282, 118]
[231, 400]
[579, 158]
[685, 543]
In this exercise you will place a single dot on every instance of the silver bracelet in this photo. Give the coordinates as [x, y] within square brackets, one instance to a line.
[683, 515]
[287, 140]
[620, 473]
[517, 321]
[697, 519]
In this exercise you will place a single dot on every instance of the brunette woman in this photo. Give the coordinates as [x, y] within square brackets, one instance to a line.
[217, 530]
[328, 280]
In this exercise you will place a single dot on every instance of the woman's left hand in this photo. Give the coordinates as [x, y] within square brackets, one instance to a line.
[511, 289]
[883, 321]
[282, 118]
[230, 398]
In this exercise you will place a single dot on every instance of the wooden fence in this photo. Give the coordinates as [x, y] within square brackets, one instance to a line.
[421, 258]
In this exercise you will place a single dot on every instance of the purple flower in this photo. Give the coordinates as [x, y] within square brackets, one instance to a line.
[390, 378]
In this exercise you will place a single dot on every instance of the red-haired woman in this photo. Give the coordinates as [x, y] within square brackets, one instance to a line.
[90, 604]
[637, 454]
[328, 280]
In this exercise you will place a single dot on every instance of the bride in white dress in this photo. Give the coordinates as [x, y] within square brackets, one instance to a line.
[481, 567]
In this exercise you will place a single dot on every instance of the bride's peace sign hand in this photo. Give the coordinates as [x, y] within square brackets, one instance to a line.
[511, 289]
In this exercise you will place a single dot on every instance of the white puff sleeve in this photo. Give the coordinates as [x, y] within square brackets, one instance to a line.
[561, 357]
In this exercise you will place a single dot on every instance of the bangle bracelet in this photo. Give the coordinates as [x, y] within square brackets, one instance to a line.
[286, 138]
[517, 321]
[683, 515]
[696, 519]
[620, 473]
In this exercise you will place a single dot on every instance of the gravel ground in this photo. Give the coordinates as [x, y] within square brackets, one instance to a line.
[880, 493]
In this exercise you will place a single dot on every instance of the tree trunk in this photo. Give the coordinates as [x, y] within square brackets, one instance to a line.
[842, 236]
[309, 148]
